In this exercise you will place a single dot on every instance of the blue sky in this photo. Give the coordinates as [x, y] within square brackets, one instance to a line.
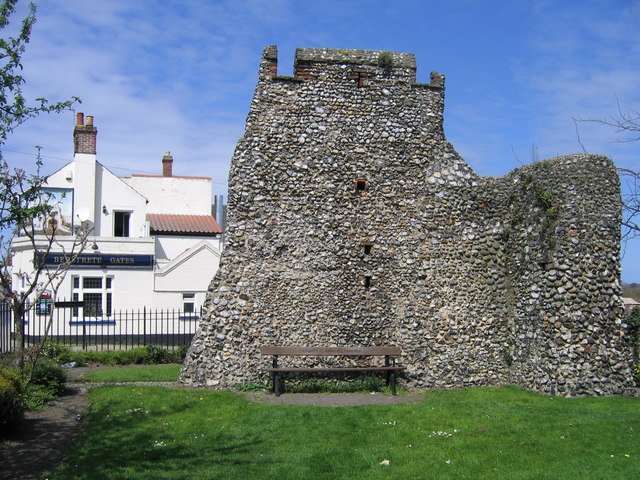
[179, 75]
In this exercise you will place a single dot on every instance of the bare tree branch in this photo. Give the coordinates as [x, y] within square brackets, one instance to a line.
[627, 126]
[25, 207]
[626, 122]
[575, 123]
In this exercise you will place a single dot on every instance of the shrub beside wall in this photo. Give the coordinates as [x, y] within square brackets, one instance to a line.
[150, 354]
[11, 404]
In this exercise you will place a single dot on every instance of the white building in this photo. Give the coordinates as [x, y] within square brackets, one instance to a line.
[154, 242]
[630, 304]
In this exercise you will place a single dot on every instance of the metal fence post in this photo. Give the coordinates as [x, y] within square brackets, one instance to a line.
[84, 330]
[24, 330]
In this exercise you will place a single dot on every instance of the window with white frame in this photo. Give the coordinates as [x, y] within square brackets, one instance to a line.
[189, 303]
[95, 292]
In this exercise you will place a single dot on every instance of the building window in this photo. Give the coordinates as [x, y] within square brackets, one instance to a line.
[121, 224]
[189, 303]
[92, 304]
[92, 282]
[96, 294]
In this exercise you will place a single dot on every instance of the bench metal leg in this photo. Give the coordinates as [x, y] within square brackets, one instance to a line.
[276, 384]
[276, 377]
[393, 382]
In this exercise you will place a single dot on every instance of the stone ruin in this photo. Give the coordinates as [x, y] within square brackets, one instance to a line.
[352, 221]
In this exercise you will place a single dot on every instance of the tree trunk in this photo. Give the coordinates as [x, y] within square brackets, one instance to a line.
[18, 319]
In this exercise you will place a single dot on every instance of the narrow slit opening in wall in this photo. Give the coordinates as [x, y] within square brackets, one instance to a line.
[360, 185]
[367, 248]
[367, 282]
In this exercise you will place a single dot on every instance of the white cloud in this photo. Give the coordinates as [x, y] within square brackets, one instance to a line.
[154, 81]
[585, 57]
[179, 75]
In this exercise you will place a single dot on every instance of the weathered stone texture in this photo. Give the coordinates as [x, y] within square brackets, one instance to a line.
[352, 221]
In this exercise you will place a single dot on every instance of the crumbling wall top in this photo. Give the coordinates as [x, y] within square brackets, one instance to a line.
[306, 56]
[344, 65]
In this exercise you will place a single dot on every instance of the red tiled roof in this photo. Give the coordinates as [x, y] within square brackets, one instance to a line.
[161, 223]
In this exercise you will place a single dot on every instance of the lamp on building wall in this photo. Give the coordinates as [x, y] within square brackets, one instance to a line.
[94, 247]
[104, 209]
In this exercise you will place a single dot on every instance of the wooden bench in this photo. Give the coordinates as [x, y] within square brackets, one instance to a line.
[388, 352]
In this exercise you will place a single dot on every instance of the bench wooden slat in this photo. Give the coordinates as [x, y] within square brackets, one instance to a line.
[332, 369]
[276, 351]
[329, 351]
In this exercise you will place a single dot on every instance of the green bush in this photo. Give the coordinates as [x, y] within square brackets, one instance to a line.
[11, 400]
[385, 60]
[364, 383]
[49, 376]
[155, 354]
[151, 354]
[251, 387]
[367, 383]
[58, 353]
[47, 382]
[8, 359]
[633, 322]
[134, 356]
[181, 352]
[37, 397]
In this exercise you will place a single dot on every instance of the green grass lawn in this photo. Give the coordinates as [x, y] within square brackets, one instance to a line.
[147, 373]
[507, 433]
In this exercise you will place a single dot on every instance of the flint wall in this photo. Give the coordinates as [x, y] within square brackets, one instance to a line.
[352, 221]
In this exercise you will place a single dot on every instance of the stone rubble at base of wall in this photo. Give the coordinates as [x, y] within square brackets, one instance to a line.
[353, 222]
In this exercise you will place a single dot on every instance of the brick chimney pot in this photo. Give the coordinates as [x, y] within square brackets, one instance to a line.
[84, 136]
[167, 165]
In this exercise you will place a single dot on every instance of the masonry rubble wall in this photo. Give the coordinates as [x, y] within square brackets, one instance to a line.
[353, 222]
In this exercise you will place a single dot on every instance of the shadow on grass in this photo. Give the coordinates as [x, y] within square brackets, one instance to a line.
[160, 433]
[159, 438]
[42, 438]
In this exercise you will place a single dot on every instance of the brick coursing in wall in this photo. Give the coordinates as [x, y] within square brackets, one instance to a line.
[84, 139]
[480, 280]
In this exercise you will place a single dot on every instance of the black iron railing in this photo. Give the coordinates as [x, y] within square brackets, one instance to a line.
[119, 330]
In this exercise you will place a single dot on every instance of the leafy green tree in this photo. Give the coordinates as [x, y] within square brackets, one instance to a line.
[14, 108]
[23, 203]
[634, 318]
